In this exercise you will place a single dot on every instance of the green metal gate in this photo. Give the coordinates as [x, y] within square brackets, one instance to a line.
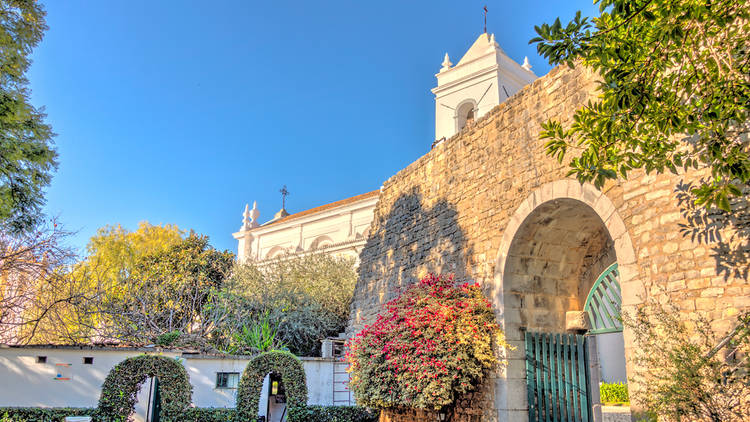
[556, 377]
[604, 302]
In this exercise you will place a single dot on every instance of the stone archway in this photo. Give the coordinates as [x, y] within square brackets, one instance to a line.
[553, 248]
[120, 389]
[285, 364]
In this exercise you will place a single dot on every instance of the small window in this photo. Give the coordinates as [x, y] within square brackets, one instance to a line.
[227, 379]
[41, 359]
[88, 360]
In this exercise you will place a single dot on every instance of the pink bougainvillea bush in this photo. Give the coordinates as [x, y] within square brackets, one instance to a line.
[427, 347]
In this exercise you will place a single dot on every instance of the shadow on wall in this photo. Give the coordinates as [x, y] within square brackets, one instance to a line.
[412, 240]
[728, 233]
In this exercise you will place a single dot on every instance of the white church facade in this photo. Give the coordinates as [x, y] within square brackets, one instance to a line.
[339, 228]
[483, 78]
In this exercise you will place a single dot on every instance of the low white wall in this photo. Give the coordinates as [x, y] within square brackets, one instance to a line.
[25, 383]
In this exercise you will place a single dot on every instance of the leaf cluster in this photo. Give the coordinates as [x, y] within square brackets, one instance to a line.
[673, 95]
[144, 286]
[256, 337]
[616, 392]
[166, 291]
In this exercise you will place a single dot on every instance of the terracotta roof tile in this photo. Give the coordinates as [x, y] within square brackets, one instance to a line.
[328, 206]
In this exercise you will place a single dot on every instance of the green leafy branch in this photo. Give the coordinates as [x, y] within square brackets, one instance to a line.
[673, 94]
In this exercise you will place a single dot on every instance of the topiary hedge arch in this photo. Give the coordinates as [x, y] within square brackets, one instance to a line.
[120, 389]
[282, 363]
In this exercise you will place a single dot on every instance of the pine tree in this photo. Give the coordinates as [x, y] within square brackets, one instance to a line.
[27, 156]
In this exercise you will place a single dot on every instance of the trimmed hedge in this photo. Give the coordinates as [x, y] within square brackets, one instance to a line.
[285, 364]
[42, 414]
[614, 392]
[120, 389]
[199, 414]
[332, 414]
[207, 414]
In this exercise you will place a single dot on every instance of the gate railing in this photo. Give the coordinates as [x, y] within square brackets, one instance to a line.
[556, 377]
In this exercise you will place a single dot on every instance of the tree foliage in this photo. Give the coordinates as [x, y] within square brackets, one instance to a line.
[27, 158]
[674, 93]
[165, 291]
[113, 252]
[688, 370]
[141, 287]
[427, 347]
[306, 297]
[35, 294]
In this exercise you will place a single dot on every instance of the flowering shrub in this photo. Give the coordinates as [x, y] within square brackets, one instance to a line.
[427, 347]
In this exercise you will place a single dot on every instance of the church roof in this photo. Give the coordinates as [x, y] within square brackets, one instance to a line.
[478, 49]
[325, 207]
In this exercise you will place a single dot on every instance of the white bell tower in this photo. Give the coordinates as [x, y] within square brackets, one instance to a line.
[483, 78]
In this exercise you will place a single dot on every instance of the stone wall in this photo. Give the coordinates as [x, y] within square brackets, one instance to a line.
[490, 206]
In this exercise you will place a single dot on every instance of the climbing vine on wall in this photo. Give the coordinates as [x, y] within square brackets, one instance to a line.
[120, 389]
[282, 363]
[427, 347]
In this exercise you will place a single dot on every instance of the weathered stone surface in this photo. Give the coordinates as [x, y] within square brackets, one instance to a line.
[577, 321]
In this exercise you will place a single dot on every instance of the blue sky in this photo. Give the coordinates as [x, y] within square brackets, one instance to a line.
[183, 111]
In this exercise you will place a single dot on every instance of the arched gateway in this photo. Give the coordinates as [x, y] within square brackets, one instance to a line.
[553, 253]
[275, 363]
[120, 390]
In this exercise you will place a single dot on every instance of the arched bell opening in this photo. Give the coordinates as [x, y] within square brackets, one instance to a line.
[465, 114]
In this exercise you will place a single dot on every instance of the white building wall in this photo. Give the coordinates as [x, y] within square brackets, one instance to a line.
[339, 228]
[611, 349]
[25, 383]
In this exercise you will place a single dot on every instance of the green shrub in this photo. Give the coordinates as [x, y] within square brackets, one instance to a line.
[614, 392]
[42, 414]
[58, 414]
[256, 337]
[688, 369]
[207, 414]
[282, 363]
[167, 339]
[120, 389]
[332, 414]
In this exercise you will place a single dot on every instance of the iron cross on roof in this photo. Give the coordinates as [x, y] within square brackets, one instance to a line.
[485, 19]
[284, 194]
